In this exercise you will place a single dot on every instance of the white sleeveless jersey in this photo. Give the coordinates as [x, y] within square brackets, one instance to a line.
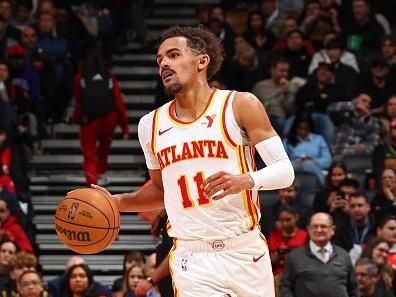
[186, 154]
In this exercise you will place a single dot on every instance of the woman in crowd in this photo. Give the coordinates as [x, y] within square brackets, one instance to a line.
[377, 249]
[133, 275]
[131, 258]
[337, 173]
[286, 237]
[8, 248]
[308, 151]
[384, 202]
[80, 280]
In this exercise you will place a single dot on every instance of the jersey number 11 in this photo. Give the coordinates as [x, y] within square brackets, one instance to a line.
[185, 193]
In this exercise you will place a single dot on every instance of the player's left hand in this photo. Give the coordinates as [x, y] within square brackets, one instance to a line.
[227, 183]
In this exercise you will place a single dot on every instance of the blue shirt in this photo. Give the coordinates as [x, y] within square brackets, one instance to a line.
[314, 146]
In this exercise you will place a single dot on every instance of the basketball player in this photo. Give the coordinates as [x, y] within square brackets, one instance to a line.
[199, 150]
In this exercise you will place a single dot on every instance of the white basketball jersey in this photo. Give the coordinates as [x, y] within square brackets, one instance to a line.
[186, 154]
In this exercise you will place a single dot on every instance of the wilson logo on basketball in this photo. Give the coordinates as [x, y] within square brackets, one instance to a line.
[73, 235]
[73, 211]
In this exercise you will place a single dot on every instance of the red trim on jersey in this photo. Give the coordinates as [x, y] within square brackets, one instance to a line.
[173, 117]
[251, 209]
[223, 121]
[153, 131]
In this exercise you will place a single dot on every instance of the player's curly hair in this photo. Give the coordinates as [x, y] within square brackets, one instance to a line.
[201, 41]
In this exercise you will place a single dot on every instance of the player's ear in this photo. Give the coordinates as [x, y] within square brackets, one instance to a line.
[203, 61]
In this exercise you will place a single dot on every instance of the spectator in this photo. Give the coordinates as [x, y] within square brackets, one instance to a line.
[99, 108]
[347, 58]
[384, 202]
[11, 226]
[288, 196]
[387, 115]
[377, 249]
[315, 23]
[30, 284]
[362, 32]
[366, 275]
[58, 49]
[357, 131]
[384, 155]
[10, 34]
[277, 93]
[46, 70]
[19, 263]
[227, 34]
[315, 96]
[336, 174]
[355, 229]
[388, 50]
[258, 36]
[25, 85]
[307, 150]
[290, 23]
[132, 277]
[59, 285]
[379, 85]
[130, 259]
[219, 28]
[297, 54]
[320, 268]
[284, 239]
[79, 281]
[346, 78]
[23, 15]
[8, 249]
[5, 162]
[386, 229]
[273, 16]
[7, 112]
[338, 203]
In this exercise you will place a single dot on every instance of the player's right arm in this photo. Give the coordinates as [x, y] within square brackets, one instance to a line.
[150, 197]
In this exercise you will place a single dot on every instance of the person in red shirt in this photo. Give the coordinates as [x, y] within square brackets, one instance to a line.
[284, 237]
[10, 226]
[97, 127]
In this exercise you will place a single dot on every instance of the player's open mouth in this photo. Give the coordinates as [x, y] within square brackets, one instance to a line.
[166, 74]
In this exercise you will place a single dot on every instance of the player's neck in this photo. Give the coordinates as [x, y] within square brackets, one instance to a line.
[190, 104]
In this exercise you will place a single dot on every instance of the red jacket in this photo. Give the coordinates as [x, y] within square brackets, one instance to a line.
[12, 227]
[78, 113]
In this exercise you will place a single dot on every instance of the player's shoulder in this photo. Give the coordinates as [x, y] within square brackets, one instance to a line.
[147, 119]
[245, 101]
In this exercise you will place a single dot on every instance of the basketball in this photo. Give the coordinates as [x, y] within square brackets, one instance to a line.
[87, 221]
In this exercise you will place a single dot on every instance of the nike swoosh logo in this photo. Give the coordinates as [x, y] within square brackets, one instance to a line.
[164, 131]
[258, 258]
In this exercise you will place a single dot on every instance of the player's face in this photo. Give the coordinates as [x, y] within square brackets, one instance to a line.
[30, 285]
[78, 281]
[178, 66]
[7, 250]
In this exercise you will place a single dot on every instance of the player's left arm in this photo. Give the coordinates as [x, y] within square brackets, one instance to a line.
[251, 117]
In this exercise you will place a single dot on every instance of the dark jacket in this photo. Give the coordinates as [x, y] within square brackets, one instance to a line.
[307, 276]
[57, 287]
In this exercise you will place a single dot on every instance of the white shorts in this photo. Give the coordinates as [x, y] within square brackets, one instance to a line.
[239, 266]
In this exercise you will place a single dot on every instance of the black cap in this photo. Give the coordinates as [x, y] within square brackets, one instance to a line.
[379, 61]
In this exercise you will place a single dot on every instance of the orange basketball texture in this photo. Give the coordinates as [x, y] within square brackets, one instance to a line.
[87, 221]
